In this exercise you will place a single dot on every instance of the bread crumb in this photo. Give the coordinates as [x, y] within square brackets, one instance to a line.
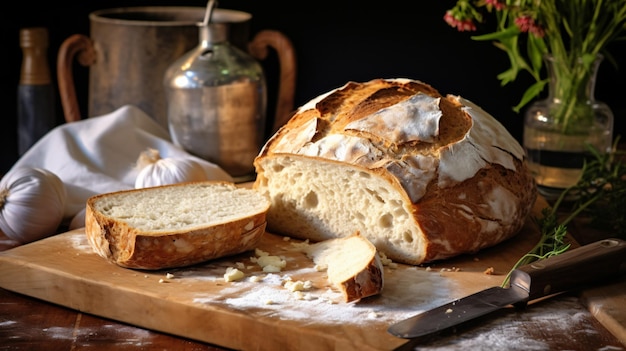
[301, 245]
[270, 268]
[259, 253]
[274, 261]
[319, 268]
[383, 258]
[386, 261]
[240, 265]
[233, 274]
[256, 278]
[489, 271]
[298, 285]
[449, 310]
[286, 238]
[293, 286]
[428, 269]
[443, 270]
[372, 315]
[169, 276]
[269, 302]
[162, 280]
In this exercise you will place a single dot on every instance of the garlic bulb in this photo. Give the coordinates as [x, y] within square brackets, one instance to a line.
[32, 204]
[155, 171]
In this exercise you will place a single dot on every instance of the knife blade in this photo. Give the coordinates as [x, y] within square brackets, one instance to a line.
[573, 269]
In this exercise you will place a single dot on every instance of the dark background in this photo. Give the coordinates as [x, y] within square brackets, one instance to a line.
[335, 42]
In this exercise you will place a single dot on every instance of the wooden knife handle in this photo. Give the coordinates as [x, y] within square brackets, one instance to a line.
[572, 269]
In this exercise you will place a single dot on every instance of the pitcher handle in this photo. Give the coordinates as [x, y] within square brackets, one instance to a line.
[287, 60]
[82, 46]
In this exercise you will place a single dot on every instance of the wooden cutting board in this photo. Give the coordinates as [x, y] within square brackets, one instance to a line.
[258, 312]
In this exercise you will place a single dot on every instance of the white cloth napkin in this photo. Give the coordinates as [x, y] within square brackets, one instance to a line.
[98, 155]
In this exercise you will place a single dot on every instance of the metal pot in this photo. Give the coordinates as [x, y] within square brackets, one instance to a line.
[129, 50]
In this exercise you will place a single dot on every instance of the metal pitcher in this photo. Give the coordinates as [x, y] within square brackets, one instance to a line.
[216, 96]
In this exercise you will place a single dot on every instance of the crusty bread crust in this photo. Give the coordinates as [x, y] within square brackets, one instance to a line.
[126, 246]
[353, 265]
[458, 179]
[366, 283]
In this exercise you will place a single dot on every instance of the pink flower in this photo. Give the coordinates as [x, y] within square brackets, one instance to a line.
[460, 24]
[524, 23]
[527, 24]
[537, 31]
[497, 4]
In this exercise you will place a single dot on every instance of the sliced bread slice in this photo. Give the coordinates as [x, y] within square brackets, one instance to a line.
[175, 225]
[352, 263]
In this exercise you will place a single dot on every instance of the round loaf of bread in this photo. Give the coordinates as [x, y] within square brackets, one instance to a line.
[423, 176]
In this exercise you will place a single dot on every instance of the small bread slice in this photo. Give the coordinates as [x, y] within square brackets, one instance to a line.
[352, 264]
[175, 225]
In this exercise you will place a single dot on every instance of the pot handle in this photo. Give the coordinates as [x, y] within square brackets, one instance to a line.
[287, 60]
[76, 45]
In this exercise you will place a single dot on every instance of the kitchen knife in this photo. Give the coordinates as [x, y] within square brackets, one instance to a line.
[572, 269]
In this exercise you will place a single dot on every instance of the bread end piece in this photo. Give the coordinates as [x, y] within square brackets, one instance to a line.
[353, 265]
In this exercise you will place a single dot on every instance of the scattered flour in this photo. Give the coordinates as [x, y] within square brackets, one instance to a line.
[83, 335]
[509, 331]
[405, 294]
[80, 243]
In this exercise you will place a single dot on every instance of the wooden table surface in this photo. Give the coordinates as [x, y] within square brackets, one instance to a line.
[560, 322]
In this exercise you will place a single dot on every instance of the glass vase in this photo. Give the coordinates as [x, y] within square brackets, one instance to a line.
[559, 130]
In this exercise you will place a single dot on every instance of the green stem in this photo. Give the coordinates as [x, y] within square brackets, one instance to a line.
[581, 208]
[550, 234]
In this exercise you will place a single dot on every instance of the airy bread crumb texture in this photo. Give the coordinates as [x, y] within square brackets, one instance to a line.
[175, 208]
[175, 225]
[317, 200]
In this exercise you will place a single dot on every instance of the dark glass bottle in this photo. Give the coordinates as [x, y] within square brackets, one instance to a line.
[36, 113]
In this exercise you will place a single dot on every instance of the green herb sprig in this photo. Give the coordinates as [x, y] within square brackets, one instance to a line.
[599, 196]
